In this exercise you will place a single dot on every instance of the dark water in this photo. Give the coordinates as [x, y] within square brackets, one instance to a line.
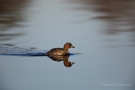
[103, 31]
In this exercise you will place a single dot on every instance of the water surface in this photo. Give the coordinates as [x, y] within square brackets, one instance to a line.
[98, 30]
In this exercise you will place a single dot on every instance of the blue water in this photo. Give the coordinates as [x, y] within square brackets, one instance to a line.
[106, 61]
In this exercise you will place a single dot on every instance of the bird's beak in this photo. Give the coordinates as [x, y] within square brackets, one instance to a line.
[72, 47]
[72, 63]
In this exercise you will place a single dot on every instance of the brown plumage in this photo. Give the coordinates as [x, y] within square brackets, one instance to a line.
[60, 51]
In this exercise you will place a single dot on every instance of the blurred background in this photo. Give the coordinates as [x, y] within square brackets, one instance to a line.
[102, 30]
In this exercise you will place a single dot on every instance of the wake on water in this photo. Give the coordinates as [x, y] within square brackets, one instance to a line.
[16, 51]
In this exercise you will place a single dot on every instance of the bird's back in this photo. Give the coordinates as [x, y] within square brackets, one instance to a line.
[57, 51]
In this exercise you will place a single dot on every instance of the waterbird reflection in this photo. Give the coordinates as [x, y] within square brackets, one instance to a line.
[63, 58]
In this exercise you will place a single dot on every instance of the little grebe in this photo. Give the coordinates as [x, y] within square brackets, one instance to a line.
[60, 51]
